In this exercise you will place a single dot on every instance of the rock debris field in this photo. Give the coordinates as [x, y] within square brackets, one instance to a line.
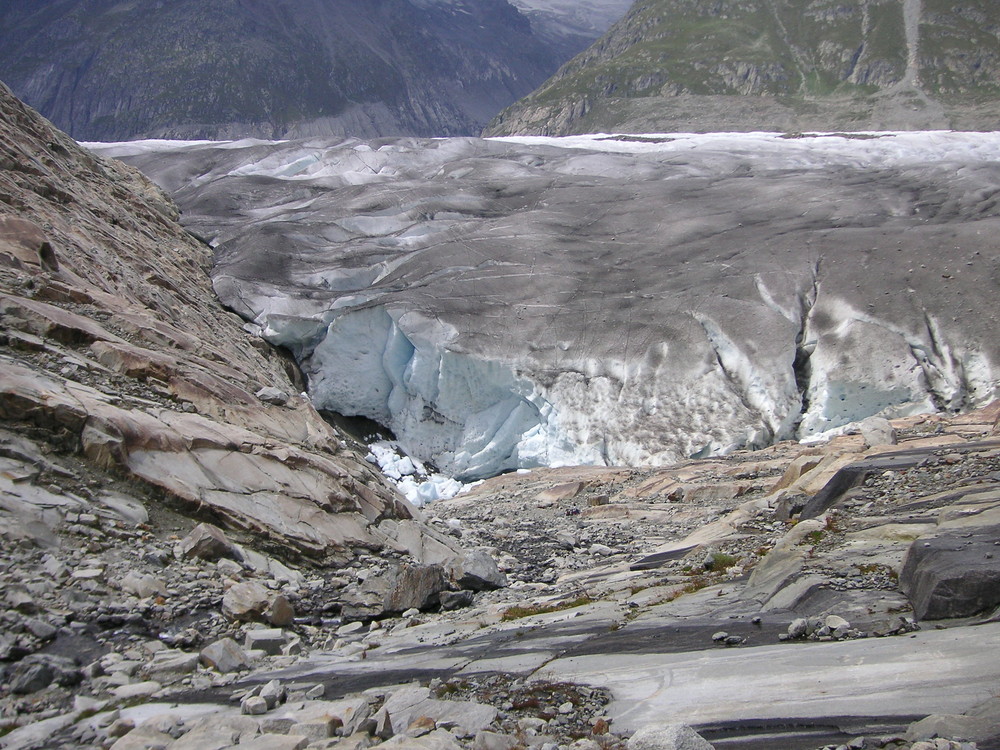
[193, 558]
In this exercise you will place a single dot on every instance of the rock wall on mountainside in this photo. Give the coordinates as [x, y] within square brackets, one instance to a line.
[105, 70]
[116, 355]
[678, 65]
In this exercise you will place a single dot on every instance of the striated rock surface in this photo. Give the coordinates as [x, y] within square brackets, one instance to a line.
[625, 301]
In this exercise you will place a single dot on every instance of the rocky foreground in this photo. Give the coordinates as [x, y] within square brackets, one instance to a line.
[193, 558]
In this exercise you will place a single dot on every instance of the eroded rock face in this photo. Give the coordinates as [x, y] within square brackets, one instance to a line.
[506, 304]
[113, 347]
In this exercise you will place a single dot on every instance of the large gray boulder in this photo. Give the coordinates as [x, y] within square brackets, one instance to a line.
[395, 590]
[955, 574]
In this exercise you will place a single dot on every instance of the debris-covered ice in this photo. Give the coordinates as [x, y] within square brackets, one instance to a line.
[609, 299]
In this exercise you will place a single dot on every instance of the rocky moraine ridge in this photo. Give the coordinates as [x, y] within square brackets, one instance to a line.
[193, 558]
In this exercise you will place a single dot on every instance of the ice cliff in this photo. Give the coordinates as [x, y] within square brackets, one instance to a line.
[624, 300]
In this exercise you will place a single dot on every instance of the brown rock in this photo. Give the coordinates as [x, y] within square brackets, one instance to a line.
[250, 601]
[207, 542]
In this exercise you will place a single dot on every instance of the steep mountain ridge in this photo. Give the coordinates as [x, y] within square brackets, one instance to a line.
[110, 70]
[786, 65]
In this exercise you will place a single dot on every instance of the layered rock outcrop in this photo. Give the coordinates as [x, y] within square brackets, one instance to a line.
[115, 351]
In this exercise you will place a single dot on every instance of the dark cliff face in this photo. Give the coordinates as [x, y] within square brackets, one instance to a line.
[777, 65]
[106, 69]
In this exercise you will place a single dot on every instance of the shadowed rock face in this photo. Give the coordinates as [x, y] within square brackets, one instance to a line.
[510, 304]
[108, 70]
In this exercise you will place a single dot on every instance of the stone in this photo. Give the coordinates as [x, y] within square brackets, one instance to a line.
[798, 628]
[40, 628]
[272, 395]
[276, 742]
[350, 628]
[269, 640]
[452, 600]
[274, 693]
[171, 663]
[316, 692]
[467, 717]
[208, 735]
[142, 585]
[566, 539]
[952, 575]
[251, 601]
[420, 726]
[383, 724]
[225, 655]
[561, 492]
[207, 542]
[477, 571]
[493, 741]
[877, 431]
[30, 678]
[979, 729]
[253, 705]
[668, 737]
[143, 738]
[394, 591]
[136, 690]
[838, 626]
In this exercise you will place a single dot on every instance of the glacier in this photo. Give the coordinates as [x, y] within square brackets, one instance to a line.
[614, 299]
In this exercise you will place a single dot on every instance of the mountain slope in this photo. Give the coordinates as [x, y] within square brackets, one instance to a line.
[106, 70]
[776, 65]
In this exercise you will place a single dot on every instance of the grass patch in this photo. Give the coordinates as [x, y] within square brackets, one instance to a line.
[721, 562]
[517, 612]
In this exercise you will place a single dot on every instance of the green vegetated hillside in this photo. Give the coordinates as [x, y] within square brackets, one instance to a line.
[777, 65]
[114, 69]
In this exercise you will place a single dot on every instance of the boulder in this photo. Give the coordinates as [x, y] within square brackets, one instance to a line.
[268, 640]
[273, 396]
[207, 542]
[252, 602]
[668, 737]
[406, 705]
[877, 431]
[225, 655]
[953, 575]
[142, 585]
[451, 600]
[396, 590]
[477, 571]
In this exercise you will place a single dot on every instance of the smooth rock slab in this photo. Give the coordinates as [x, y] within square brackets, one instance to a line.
[884, 677]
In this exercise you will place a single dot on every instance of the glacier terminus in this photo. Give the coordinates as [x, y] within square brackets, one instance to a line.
[509, 303]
